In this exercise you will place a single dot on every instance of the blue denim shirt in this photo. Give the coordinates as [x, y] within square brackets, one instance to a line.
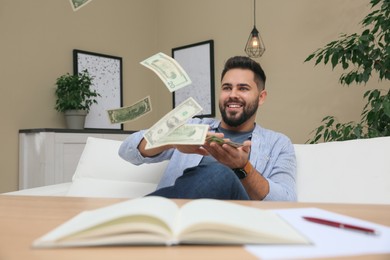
[272, 154]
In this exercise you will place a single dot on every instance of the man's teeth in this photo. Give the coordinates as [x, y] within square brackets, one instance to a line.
[233, 106]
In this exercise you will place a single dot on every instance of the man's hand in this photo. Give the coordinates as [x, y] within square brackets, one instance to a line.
[221, 141]
[197, 149]
[228, 155]
[223, 152]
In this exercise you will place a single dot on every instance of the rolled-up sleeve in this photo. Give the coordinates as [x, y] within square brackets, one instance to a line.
[129, 150]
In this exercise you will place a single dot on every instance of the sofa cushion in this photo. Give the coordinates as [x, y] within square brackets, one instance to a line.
[100, 160]
[356, 171]
[101, 172]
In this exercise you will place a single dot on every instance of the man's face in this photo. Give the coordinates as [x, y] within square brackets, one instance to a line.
[239, 98]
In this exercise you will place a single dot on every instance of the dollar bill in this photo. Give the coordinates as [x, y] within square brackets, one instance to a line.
[185, 134]
[169, 71]
[132, 112]
[77, 4]
[220, 141]
[171, 121]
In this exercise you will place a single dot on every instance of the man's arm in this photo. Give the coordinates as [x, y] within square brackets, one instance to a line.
[256, 185]
[133, 150]
[153, 151]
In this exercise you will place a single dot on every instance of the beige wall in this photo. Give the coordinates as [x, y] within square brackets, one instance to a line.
[37, 39]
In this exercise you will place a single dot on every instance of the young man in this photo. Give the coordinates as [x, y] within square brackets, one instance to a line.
[264, 168]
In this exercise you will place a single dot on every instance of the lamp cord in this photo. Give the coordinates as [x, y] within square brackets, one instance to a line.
[254, 12]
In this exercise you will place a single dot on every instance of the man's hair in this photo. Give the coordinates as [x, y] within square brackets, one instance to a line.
[242, 62]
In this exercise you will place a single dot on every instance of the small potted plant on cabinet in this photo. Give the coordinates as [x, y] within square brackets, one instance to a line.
[75, 97]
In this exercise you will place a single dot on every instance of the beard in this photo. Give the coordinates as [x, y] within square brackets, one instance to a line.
[234, 120]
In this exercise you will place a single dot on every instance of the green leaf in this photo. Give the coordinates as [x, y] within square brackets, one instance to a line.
[318, 60]
[367, 93]
[386, 107]
[319, 129]
[333, 134]
[326, 58]
[330, 122]
[311, 56]
[335, 59]
[326, 135]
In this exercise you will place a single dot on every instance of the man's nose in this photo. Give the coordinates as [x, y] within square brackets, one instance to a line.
[234, 92]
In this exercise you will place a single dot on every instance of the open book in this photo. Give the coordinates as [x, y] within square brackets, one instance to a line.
[159, 221]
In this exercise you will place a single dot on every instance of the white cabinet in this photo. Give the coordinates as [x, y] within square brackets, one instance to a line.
[50, 156]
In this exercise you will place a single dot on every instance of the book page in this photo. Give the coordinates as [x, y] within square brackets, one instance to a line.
[150, 213]
[215, 221]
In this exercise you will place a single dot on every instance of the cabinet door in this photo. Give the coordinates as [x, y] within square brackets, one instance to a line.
[36, 151]
[47, 158]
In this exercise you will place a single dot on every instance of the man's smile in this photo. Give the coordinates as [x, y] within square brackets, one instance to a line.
[233, 106]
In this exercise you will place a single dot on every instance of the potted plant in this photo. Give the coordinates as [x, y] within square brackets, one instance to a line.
[75, 98]
[361, 54]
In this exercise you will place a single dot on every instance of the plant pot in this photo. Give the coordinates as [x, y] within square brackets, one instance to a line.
[75, 119]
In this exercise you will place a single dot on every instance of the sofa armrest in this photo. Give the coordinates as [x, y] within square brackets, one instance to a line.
[354, 171]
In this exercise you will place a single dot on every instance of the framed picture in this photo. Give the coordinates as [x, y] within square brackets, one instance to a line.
[106, 71]
[198, 61]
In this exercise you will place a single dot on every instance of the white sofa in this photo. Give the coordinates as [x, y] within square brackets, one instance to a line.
[356, 171]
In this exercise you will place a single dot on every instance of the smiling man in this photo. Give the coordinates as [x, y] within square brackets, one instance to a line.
[263, 168]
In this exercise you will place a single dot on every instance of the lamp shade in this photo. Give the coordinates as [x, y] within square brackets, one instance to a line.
[255, 45]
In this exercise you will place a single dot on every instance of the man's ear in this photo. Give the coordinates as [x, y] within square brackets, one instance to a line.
[262, 97]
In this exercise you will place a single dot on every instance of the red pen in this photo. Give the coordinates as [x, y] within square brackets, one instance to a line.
[341, 225]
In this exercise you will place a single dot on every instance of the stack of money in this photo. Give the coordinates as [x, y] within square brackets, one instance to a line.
[166, 130]
[220, 141]
[188, 134]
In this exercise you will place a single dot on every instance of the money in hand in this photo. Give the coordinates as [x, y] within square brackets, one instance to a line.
[171, 121]
[220, 141]
[132, 112]
[169, 71]
[187, 134]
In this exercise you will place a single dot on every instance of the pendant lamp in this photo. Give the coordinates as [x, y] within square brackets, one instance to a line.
[255, 46]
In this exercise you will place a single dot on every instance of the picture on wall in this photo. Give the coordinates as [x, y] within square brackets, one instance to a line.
[106, 71]
[198, 61]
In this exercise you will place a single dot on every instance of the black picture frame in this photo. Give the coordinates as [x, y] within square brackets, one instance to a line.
[197, 60]
[106, 71]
